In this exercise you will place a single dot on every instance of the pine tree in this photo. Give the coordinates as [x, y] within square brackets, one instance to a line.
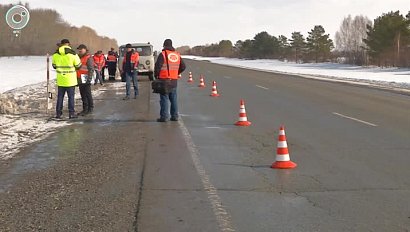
[319, 44]
[298, 44]
[387, 38]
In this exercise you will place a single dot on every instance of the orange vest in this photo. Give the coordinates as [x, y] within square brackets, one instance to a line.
[135, 57]
[172, 60]
[99, 61]
[83, 69]
[111, 58]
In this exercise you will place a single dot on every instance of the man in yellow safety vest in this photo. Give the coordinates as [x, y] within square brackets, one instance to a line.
[66, 62]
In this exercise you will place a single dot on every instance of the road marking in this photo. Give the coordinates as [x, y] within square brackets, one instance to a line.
[227, 77]
[209, 71]
[212, 127]
[221, 214]
[259, 86]
[355, 119]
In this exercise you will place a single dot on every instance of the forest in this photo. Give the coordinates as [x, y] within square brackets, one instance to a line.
[384, 42]
[44, 30]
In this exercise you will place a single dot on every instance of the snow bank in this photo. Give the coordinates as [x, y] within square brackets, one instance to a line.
[329, 70]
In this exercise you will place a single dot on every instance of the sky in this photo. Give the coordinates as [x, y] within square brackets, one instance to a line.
[194, 22]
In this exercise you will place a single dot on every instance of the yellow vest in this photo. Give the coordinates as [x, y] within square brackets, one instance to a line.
[66, 65]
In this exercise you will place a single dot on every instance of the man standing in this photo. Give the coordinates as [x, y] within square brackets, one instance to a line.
[168, 67]
[112, 65]
[65, 62]
[99, 62]
[85, 75]
[130, 69]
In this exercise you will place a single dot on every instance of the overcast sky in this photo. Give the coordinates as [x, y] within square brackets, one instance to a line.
[194, 22]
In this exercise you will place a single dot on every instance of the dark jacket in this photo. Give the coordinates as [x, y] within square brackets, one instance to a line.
[127, 67]
[160, 62]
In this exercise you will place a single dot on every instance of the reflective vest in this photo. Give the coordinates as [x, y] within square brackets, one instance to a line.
[172, 60]
[111, 58]
[84, 68]
[66, 65]
[99, 61]
[135, 57]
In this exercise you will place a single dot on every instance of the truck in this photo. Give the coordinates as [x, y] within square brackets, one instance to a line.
[146, 63]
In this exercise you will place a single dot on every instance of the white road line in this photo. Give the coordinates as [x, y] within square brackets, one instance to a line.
[212, 127]
[221, 214]
[259, 86]
[209, 71]
[227, 77]
[355, 119]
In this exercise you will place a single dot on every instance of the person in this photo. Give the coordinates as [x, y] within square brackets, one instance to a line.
[169, 66]
[85, 75]
[103, 68]
[130, 69]
[66, 62]
[112, 65]
[99, 62]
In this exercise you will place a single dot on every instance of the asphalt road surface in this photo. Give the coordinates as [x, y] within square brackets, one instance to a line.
[119, 170]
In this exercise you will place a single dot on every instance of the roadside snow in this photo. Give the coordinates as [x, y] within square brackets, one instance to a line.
[399, 78]
[20, 71]
[17, 131]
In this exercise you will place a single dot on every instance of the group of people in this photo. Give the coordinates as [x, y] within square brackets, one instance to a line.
[77, 69]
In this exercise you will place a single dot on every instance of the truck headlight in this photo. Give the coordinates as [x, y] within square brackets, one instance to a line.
[147, 62]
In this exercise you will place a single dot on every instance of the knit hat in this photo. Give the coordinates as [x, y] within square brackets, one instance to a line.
[168, 43]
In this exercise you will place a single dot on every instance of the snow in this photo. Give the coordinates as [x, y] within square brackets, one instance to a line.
[23, 102]
[20, 71]
[384, 76]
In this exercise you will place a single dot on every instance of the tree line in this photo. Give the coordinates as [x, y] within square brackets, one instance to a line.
[359, 41]
[45, 28]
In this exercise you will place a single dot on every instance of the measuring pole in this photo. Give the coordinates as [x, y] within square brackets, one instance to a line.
[48, 83]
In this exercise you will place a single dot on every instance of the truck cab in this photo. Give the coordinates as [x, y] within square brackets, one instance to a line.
[146, 63]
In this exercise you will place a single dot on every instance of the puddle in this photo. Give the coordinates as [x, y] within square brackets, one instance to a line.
[61, 145]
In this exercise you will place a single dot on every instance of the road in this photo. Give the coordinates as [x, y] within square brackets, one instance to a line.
[125, 172]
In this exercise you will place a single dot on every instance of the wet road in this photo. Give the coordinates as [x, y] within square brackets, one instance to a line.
[121, 171]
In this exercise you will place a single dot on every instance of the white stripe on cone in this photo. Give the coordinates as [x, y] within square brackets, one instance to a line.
[282, 158]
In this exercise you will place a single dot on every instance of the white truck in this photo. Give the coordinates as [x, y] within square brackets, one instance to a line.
[147, 59]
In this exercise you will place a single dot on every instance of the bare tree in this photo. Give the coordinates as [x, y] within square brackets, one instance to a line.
[349, 38]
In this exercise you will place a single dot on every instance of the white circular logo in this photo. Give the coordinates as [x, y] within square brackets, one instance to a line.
[173, 57]
[17, 17]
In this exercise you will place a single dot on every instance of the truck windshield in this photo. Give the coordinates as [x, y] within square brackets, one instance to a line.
[142, 50]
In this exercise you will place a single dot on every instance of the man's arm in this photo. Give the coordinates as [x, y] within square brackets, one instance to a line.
[158, 65]
[182, 66]
[77, 62]
[90, 67]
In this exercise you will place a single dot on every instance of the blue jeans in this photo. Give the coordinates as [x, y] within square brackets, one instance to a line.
[171, 97]
[128, 78]
[60, 99]
[98, 77]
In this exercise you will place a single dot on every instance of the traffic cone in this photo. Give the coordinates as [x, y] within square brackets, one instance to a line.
[214, 92]
[201, 82]
[282, 153]
[243, 119]
[190, 77]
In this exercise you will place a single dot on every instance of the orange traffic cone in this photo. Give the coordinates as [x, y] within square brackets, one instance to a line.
[282, 153]
[201, 82]
[243, 119]
[190, 77]
[214, 92]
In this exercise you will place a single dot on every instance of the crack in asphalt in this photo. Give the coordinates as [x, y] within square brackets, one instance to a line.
[141, 182]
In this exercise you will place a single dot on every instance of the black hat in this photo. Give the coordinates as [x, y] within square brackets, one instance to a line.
[128, 46]
[64, 41]
[168, 43]
[82, 46]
